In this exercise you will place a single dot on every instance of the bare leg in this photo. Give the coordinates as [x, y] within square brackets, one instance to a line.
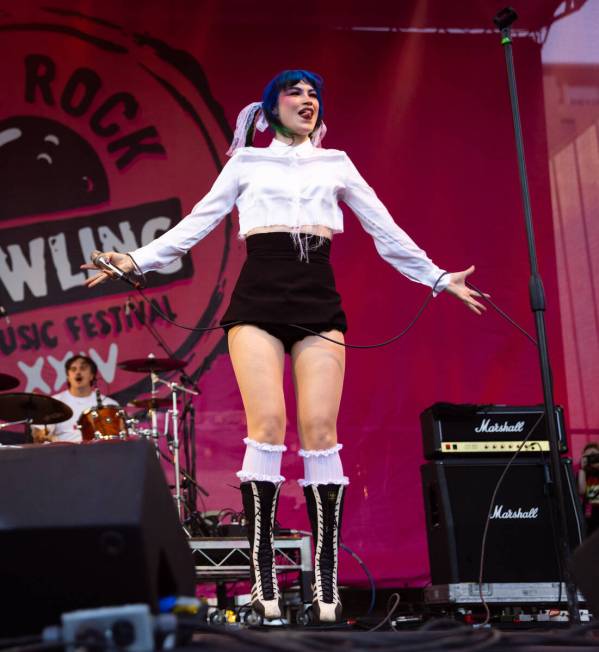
[319, 367]
[318, 371]
[258, 361]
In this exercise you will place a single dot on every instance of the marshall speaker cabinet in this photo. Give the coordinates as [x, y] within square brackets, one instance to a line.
[521, 539]
[450, 430]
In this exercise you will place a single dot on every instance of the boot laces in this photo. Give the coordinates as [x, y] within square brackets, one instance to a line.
[265, 555]
[327, 563]
[265, 568]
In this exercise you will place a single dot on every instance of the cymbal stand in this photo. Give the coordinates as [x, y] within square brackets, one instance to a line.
[174, 387]
[153, 412]
[185, 378]
[194, 517]
[15, 423]
[28, 424]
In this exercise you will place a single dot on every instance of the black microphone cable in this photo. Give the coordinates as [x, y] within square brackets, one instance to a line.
[501, 312]
[199, 329]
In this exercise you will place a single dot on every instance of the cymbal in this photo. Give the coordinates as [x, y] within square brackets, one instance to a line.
[7, 382]
[37, 407]
[147, 365]
[151, 403]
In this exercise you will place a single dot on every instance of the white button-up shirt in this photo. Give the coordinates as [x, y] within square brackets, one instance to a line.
[292, 186]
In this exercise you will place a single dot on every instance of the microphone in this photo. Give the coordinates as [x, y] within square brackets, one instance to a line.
[99, 260]
[4, 314]
[98, 398]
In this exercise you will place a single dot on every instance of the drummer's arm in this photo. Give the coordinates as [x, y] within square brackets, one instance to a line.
[42, 434]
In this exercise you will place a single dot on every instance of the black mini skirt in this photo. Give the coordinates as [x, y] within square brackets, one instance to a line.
[279, 286]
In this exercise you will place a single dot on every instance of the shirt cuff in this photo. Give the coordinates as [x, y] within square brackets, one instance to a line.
[143, 260]
[442, 283]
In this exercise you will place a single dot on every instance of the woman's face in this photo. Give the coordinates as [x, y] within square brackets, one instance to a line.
[298, 108]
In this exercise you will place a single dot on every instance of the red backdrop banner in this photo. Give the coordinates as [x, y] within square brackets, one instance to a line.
[113, 123]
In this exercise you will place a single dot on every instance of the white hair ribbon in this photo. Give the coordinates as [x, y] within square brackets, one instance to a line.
[245, 121]
[253, 113]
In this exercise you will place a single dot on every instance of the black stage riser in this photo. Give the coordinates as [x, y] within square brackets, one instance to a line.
[83, 526]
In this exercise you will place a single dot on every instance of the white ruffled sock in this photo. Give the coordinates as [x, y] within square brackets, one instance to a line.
[261, 462]
[323, 467]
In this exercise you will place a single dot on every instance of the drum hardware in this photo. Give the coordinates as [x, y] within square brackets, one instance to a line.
[15, 423]
[142, 432]
[151, 403]
[8, 382]
[23, 408]
[195, 521]
[151, 364]
[132, 426]
[153, 412]
[174, 413]
[32, 408]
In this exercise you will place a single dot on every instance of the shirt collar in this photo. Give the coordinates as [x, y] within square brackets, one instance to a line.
[281, 147]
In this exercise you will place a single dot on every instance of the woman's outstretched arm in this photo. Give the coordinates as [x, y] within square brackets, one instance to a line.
[396, 247]
[177, 241]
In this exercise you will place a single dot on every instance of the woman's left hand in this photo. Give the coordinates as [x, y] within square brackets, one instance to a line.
[457, 286]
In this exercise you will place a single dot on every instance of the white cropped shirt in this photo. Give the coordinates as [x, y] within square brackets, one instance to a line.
[294, 187]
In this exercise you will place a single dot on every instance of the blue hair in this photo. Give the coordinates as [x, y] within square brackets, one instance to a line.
[280, 82]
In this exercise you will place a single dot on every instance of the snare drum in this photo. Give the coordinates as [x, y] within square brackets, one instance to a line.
[103, 422]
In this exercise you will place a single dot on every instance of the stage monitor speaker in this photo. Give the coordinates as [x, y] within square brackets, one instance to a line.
[521, 544]
[585, 569]
[85, 526]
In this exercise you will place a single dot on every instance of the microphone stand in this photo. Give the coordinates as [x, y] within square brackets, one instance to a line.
[503, 20]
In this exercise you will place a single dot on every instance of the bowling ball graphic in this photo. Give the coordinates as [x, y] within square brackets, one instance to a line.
[68, 188]
[47, 167]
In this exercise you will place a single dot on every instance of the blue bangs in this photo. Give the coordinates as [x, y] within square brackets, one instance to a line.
[284, 80]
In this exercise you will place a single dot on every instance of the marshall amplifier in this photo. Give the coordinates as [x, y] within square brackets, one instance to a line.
[521, 542]
[450, 430]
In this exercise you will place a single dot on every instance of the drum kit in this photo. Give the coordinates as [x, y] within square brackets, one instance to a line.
[105, 422]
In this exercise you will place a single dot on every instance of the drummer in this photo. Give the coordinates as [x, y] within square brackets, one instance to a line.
[82, 373]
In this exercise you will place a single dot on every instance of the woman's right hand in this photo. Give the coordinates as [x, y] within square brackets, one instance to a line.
[122, 261]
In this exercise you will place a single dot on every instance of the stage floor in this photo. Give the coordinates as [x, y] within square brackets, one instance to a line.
[453, 637]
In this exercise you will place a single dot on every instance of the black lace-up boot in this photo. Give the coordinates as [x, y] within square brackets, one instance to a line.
[260, 506]
[325, 507]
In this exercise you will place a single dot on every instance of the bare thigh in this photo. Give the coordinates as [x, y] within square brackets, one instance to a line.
[318, 371]
[258, 362]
